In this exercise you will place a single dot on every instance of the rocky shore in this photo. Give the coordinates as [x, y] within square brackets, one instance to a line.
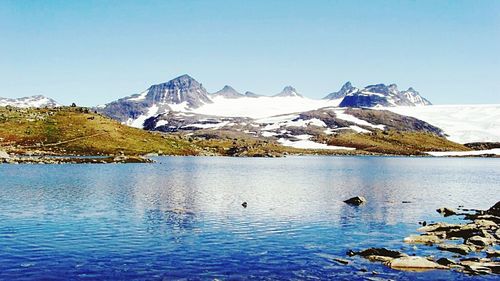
[5, 158]
[473, 244]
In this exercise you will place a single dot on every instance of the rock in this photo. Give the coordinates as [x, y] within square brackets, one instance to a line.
[244, 204]
[480, 241]
[380, 252]
[4, 155]
[481, 267]
[440, 226]
[414, 263]
[493, 253]
[341, 261]
[422, 239]
[356, 201]
[459, 249]
[486, 224]
[446, 211]
[446, 261]
[494, 210]
[379, 258]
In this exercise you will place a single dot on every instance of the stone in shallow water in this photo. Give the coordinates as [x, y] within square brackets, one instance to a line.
[381, 252]
[414, 264]
[446, 211]
[356, 201]
[480, 241]
[459, 249]
[422, 239]
[440, 226]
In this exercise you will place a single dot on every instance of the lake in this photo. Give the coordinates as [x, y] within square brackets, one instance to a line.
[182, 218]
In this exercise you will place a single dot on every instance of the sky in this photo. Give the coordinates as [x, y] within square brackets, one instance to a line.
[93, 52]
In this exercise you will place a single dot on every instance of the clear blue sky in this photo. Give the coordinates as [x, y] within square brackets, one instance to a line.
[92, 52]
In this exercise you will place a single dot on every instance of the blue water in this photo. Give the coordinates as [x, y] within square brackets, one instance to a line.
[181, 218]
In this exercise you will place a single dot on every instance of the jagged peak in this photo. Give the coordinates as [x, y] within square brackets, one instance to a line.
[288, 91]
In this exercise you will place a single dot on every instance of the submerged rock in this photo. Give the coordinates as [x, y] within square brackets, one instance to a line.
[414, 263]
[356, 201]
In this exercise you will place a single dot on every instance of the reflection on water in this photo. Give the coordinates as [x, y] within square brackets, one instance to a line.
[182, 217]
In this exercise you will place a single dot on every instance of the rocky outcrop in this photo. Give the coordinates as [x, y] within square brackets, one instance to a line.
[377, 95]
[356, 201]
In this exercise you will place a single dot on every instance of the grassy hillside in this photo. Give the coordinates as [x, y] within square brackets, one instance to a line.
[79, 131]
[395, 142]
[74, 130]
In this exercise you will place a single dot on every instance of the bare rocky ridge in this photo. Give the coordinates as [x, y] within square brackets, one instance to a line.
[181, 90]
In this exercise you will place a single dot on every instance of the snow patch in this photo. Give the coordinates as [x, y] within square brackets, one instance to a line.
[495, 151]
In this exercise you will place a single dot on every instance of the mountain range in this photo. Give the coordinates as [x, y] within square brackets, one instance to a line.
[32, 101]
[184, 93]
[184, 105]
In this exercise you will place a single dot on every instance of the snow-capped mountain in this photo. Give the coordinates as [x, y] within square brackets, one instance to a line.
[178, 94]
[228, 92]
[185, 94]
[32, 101]
[288, 91]
[379, 95]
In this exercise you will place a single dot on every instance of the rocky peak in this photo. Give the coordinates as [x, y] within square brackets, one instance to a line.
[346, 88]
[288, 91]
[178, 90]
[228, 92]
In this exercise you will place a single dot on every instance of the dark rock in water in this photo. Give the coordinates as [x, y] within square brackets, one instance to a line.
[380, 252]
[356, 201]
[445, 261]
[244, 204]
[495, 210]
[341, 261]
[446, 211]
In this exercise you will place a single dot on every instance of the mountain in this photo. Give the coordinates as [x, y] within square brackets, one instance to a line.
[346, 89]
[288, 91]
[228, 92]
[177, 94]
[32, 101]
[379, 95]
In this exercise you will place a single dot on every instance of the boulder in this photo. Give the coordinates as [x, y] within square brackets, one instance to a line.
[493, 253]
[459, 249]
[356, 201]
[480, 241]
[440, 226]
[422, 239]
[446, 211]
[446, 261]
[486, 224]
[4, 155]
[414, 263]
[494, 210]
[380, 252]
